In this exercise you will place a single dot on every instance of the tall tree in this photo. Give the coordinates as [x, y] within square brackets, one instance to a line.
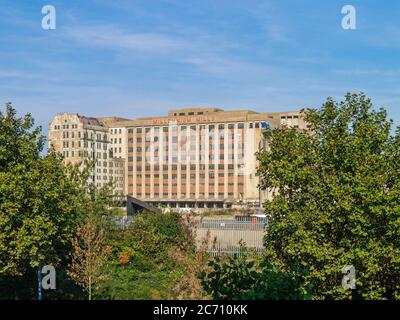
[338, 199]
[89, 255]
[39, 198]
[42, 202]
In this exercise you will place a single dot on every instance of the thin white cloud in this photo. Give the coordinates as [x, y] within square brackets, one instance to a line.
[369, 72]
[272, 22]
[10, 73]
[115, 38]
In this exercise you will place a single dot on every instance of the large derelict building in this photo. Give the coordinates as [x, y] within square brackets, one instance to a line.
[195, 157]
[80, 138]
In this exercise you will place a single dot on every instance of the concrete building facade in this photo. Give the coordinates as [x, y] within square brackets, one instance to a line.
[190, 158]
[79, 138]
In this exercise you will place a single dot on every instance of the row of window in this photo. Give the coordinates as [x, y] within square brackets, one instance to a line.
[192, 113]
[184, 128]
[184, 158]
[116, 140]
[65, 126]
[115, 131]
[175, 194]
[183, 175]
[86, 136]
[176, 139]
[183, 185]
[185, 167]
[185, 148]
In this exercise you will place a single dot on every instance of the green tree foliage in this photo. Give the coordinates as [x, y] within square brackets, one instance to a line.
[249, 278]
[90, 253]
[144, 264]
[42, 202]
[37, 197]
[337, 199]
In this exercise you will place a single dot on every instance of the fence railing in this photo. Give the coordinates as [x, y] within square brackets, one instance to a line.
[230, 225]
[234, 251]
[225, 234]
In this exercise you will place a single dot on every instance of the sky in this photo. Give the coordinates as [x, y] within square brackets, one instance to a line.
[140, 58]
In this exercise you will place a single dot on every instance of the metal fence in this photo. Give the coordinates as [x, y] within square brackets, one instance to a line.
[235, 251]
[224, 235]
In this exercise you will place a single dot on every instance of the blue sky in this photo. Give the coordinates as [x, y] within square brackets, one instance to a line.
[141, 58]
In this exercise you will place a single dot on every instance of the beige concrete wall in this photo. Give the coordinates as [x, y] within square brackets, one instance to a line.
[239, 183]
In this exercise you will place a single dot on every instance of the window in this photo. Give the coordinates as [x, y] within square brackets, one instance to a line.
[240, 126]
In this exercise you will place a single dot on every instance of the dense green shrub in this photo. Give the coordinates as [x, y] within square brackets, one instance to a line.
[234, 278]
